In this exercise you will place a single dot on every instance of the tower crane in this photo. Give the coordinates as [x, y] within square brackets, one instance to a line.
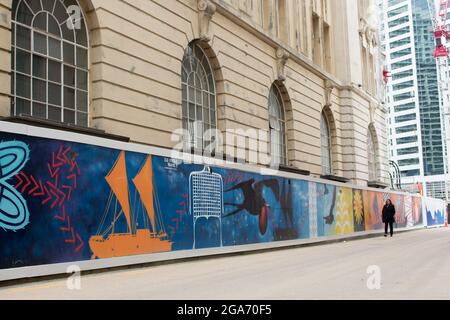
[440, 29]
[441, 54]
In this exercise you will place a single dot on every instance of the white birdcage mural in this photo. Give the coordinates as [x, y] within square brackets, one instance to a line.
[206, 197]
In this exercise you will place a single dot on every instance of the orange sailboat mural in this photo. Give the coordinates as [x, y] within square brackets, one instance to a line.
[135, 241]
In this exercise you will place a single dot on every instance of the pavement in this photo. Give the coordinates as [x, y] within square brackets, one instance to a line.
[411, 265]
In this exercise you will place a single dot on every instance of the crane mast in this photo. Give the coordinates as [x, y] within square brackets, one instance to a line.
[441, 54]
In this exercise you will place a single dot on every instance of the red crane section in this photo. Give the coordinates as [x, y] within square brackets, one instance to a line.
[386, 75]
[441, 30]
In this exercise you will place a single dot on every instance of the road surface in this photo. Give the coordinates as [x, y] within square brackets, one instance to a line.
[412, 265]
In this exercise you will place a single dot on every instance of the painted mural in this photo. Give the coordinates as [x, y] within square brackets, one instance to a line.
[63, 201]
[435, 212]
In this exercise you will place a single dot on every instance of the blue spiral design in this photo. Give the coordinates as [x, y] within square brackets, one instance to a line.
[14, 214]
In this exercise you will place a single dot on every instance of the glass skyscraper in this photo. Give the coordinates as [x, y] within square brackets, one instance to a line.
[428, 90]
[415, 130]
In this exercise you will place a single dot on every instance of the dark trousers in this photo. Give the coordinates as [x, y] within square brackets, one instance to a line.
[391, 227]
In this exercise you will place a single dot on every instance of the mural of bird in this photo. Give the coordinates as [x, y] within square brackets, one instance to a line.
[254, 202]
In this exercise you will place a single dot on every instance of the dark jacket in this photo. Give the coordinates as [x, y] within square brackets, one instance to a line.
[388, 213]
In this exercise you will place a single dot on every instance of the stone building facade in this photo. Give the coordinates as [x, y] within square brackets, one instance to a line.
[305, 71]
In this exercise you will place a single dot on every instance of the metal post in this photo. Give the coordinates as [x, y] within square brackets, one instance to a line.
[220, 230]
[193, 247]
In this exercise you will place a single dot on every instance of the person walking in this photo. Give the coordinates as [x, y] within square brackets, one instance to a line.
[388, 216]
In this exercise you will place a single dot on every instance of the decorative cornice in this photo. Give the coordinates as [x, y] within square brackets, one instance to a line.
[206, 10]
[282, 58]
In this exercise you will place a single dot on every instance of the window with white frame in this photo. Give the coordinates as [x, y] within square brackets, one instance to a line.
[198, 97]
[277, 126]
[325, 139]
[50, 61]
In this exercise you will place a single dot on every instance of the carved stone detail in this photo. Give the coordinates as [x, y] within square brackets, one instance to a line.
[363, 27]
[282, 58]
[329, 86]
[368, 35]
[206, 10]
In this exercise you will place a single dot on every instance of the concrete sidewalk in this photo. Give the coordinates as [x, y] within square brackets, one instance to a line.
[413, 265]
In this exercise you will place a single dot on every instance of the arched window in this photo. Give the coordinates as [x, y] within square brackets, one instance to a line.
[198, 97]
[325, 139]
[277, 126]
[371, 156]
[50, 61]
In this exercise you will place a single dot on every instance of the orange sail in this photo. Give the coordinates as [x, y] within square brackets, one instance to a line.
[144, 185]
[117, 180]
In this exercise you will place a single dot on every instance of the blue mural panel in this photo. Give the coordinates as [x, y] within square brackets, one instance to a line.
[63, 201]
[435, 211]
